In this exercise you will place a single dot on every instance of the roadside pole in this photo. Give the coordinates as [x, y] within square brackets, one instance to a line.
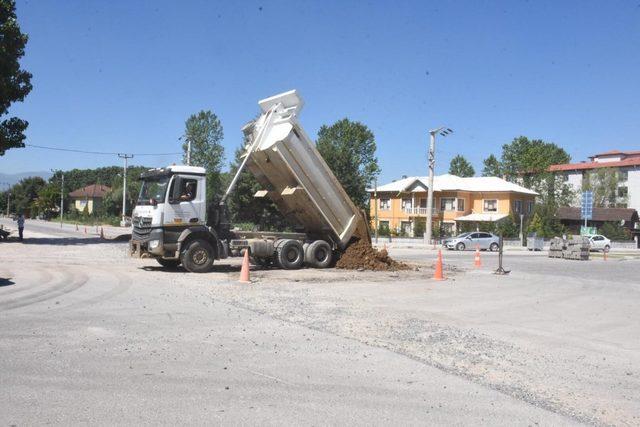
[432, 162]
[61, 199]
[126, 157]
[375, 207]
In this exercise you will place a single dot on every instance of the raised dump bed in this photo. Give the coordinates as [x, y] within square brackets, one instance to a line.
[296, 178]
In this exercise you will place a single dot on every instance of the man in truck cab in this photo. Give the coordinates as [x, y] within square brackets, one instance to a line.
[188, 192]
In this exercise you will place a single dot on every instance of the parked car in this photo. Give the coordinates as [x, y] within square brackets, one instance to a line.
[446, 241]
[466, 241]
[597, 242]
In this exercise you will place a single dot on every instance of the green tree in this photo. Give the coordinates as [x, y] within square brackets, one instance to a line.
[603, 182]
[15, 83]
[461, 167]
[349, 148]
[614, 231]
[491, 166]
[24, 193]
[544, 222]
[245, 208]
[204, 131]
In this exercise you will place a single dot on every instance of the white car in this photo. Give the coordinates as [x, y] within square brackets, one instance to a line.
[598, 242]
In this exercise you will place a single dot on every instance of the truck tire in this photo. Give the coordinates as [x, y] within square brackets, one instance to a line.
[168, 263]
[197, 257]
[318, 254]
[290, 254]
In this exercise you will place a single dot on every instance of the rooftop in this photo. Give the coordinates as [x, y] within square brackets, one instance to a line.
[632, 161]
[91, 191]
[599, 214]
[449, 182]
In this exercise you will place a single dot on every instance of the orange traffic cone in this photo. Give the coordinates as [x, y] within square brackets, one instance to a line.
[604, 254]
[477, 261]
[437, 275]
[244, 272]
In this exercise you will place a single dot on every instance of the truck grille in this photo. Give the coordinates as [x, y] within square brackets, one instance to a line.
[141, 227]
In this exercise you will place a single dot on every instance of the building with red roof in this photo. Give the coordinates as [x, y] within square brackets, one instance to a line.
[625, 162]
[89, 197]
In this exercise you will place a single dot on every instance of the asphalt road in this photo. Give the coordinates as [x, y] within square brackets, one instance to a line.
[92, 336]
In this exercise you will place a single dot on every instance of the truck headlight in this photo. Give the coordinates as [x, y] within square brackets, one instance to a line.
[154, 244]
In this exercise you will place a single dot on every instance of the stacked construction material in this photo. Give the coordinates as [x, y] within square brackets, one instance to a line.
[575, 248]
[556, 246]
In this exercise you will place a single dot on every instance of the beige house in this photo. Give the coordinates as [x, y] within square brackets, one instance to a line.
[89, 197]
[401, 204]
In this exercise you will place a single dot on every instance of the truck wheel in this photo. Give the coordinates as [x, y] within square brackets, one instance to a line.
[168, 263]
[290, 254]
[318, 254]
[198, 257]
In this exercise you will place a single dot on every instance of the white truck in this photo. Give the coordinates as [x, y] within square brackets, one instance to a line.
[172, 222]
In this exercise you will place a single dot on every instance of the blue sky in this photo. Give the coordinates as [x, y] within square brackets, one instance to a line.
[124, 76]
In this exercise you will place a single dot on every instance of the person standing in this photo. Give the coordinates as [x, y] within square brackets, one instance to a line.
[20, 221]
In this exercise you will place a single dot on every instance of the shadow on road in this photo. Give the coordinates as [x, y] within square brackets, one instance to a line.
[220, 268]
[6, 282]
[61, 241]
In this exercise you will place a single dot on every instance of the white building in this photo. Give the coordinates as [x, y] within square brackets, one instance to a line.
[627, 163]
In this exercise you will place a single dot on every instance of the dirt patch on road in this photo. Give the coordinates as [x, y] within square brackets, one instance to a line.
[362, 256]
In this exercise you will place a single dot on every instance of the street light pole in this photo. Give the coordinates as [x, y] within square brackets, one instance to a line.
[375, 206]
[521, 235]
[432, 163]
[126, 157]
[61, 198]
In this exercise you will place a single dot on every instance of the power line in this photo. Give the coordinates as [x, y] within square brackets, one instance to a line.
[107, 153]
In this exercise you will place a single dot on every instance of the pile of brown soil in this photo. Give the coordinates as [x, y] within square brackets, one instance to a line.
[361, 255]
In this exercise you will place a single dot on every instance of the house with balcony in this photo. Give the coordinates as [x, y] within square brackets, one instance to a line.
[402, 204]
[625, 163]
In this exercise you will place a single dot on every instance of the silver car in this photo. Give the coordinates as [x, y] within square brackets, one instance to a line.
[471, 241]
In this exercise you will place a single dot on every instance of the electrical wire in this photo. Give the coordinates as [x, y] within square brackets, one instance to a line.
[106, 153]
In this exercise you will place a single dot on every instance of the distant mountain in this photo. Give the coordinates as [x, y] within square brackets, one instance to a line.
[14, 178]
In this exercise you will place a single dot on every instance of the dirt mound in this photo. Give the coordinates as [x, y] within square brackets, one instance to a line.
[361, 255]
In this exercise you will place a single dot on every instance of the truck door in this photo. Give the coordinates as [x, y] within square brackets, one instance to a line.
[185, 201]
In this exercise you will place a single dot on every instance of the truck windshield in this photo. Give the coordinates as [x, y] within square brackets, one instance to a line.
[153, 188]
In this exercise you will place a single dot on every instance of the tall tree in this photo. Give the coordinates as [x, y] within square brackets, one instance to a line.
[204, 131]
[461, 167]
[349, 148]
[491, 167]
[15, 83]
[604, 184]
[24, 193]
[245, 208]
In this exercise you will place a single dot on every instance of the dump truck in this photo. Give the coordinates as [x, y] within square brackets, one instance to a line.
[173, 223]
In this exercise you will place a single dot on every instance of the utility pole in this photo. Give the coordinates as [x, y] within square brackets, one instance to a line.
[189, 152]
[54, 171]
[375, 206]
[61, 198]
[432, 163]
[521, 235]
[126, 157]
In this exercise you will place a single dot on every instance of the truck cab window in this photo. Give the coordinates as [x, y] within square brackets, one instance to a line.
[188, 189]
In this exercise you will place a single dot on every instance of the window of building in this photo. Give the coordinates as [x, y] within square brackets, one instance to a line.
[491, 205]
[623, 175]
[460, 205]
[623, 192]
[423, 203]
[517, 206]
[407, 204]
[529, 207]
[447, 204]
[565, 177]
[385, 205]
